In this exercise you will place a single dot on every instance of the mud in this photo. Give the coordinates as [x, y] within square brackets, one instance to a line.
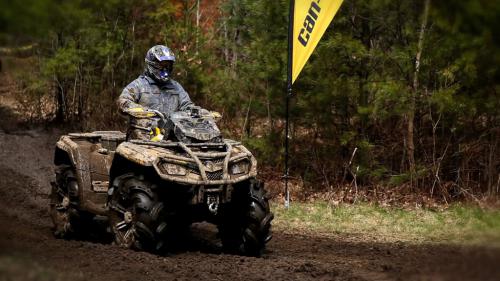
[28, 251]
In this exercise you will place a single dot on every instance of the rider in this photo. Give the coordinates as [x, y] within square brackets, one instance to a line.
[153, 90]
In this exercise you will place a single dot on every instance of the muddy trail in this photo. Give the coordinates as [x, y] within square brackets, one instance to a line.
[28, 251]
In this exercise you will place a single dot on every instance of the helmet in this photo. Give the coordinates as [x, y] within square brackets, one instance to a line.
[159, 63]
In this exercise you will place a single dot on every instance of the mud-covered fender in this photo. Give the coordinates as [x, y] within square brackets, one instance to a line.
[68, 152]
[141, 155]
[65, 151]
[131, 157]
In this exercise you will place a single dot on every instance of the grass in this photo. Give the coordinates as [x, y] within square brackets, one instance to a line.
[456, 224]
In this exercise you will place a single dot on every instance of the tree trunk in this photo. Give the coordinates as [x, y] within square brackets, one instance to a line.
[61, 102]
[411, 114]
[198, 16]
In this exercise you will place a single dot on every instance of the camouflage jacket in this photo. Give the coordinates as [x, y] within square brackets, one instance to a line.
[145, 93]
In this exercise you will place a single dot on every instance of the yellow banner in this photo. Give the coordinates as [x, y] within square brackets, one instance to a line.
[311, 19]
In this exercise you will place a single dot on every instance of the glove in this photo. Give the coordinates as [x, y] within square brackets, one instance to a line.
[157, 134]
[216, 115]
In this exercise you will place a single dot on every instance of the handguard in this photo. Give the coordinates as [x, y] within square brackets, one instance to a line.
[139, 112]
[157, 134]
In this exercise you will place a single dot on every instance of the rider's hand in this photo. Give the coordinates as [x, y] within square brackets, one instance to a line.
[216, 115]
[157, 134]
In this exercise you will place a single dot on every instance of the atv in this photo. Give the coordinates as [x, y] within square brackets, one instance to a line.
[145, 193]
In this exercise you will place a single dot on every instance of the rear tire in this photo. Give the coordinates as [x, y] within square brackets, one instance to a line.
[245, 225]
[66, 218]
[137, 217]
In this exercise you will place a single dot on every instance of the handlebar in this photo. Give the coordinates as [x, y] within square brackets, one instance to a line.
[195, 112]
[141, 113]
[159, 114]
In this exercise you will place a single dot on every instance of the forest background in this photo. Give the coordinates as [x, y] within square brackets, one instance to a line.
[400, 98]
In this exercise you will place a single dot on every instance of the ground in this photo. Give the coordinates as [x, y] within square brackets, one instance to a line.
[28, 251]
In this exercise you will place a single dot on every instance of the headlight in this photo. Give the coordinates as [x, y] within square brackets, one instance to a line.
[239, 168]
[174, 169]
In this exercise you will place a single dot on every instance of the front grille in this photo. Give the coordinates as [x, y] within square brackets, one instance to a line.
[218, 160]
[210, 164]
[213, 160]
[214, 175]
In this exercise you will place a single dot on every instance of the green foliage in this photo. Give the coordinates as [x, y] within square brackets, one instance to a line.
[356, 91]
[64, 63]
[406, 178]
[263, 151]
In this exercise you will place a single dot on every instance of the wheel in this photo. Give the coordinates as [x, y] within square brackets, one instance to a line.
[245, 225]
[63, 203]
[137, 217]
[59, 214]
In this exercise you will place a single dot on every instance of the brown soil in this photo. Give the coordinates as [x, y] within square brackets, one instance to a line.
[28, 251]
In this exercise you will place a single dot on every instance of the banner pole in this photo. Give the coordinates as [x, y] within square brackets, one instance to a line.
[289, 93]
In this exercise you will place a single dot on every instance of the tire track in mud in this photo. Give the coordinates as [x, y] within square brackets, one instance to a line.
[25, 171]
[28, 248]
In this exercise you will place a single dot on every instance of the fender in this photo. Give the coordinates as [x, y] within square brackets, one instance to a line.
[138, 154]
[71, 153]
[65, 151]
[131, 157]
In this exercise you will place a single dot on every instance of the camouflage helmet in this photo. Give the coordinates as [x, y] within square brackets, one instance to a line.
[159, 63]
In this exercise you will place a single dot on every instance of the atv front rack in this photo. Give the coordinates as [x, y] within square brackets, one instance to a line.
[203, 167]
[178, 144]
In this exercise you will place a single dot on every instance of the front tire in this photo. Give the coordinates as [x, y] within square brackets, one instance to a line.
[245, 226]
[137, 216]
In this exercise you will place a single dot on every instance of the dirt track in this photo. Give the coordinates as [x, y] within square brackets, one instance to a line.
[29, 252]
